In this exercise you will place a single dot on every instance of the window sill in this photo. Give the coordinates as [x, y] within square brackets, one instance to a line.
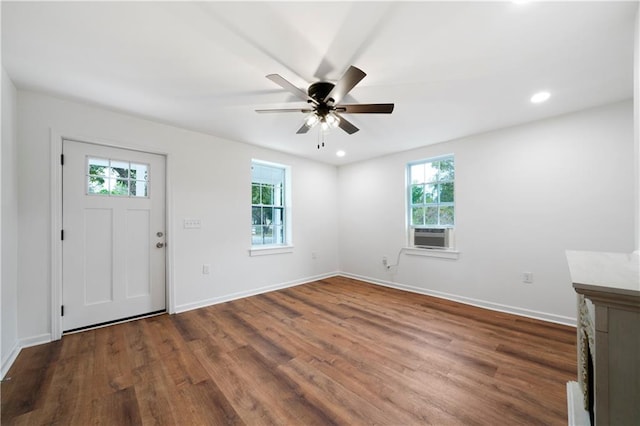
[439, 253]
[269, 250]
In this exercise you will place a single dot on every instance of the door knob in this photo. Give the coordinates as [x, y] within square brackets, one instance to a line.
[160, 245]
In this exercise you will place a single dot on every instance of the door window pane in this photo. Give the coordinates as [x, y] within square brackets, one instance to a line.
[120, 169]
[117, 178]
[138, 188]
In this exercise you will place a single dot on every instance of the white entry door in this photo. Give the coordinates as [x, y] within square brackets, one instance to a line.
[113, 216]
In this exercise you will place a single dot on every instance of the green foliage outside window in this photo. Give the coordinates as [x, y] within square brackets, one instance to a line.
[432, 185]
[267, 205]
[117, 178]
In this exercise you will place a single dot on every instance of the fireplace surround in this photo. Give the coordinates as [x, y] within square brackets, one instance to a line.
[607, 391]
[586, 338]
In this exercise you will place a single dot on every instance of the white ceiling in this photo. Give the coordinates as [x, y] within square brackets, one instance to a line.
[451, 68]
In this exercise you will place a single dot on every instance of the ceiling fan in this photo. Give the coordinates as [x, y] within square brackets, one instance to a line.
[324, 102]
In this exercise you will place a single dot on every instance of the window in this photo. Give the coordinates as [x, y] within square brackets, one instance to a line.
[269, 204]
[431, 192]
[115, 178]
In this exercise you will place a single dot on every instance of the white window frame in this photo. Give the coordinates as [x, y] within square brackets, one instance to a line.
[287, 245]
[409, 204]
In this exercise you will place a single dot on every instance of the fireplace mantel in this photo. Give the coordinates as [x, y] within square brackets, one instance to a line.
[610, 283]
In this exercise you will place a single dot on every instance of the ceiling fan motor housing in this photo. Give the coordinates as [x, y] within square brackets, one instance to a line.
[320, 90]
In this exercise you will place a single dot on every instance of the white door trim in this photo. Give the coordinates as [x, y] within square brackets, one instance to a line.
[56, 221]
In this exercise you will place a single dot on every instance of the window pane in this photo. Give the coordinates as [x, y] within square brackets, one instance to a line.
[417, 173]
[417, 194]
[116, 177]
[97, 185]
[278, 235]
[255, 193]
[268, 186]
[267, 235]
[278, 195]
[278, 216]
[431, 193]
[267, 215]
[432, 196]
[447, 170]
[430, 172]
[119, 169]
[109, 185]
[267, 194]
[139, 172]
[256, 234]
[446, 192]
[121, 187]
[446, 215]
[417, 215]
[138, 188]
[98, 166]
[256, 215]
[431, 216]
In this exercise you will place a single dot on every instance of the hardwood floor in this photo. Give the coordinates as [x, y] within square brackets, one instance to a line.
[336, 351]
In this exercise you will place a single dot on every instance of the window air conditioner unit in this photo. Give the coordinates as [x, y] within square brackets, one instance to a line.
[432, 237]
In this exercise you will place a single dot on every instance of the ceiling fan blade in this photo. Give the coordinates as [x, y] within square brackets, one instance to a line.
[303, 129]
[346, 125]
[282, 82]
[365, 108]
[345, 84]
[284, 110]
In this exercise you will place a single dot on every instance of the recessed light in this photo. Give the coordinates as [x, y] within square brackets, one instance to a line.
[540, 97]
[341, 153]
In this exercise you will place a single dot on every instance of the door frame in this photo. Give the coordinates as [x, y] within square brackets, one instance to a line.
[57, 138]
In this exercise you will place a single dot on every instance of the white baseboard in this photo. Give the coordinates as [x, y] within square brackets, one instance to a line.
[10, 359]
[18, 346]
[253, 292]
[46, 338]
[35, 340]
[544, 316]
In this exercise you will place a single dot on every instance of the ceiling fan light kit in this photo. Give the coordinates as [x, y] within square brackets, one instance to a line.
[324, 99]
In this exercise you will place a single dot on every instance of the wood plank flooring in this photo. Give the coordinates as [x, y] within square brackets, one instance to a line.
[336, 351]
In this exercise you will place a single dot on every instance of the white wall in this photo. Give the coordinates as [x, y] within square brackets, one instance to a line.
[527, 192]
[523, 195]
[9, 227]
[209, 179]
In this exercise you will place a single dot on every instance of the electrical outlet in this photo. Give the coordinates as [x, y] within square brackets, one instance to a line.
[527, 277]
[385, 262]
[206, 269]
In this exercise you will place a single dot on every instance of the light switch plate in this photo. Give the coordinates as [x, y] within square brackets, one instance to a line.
[192, 223]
